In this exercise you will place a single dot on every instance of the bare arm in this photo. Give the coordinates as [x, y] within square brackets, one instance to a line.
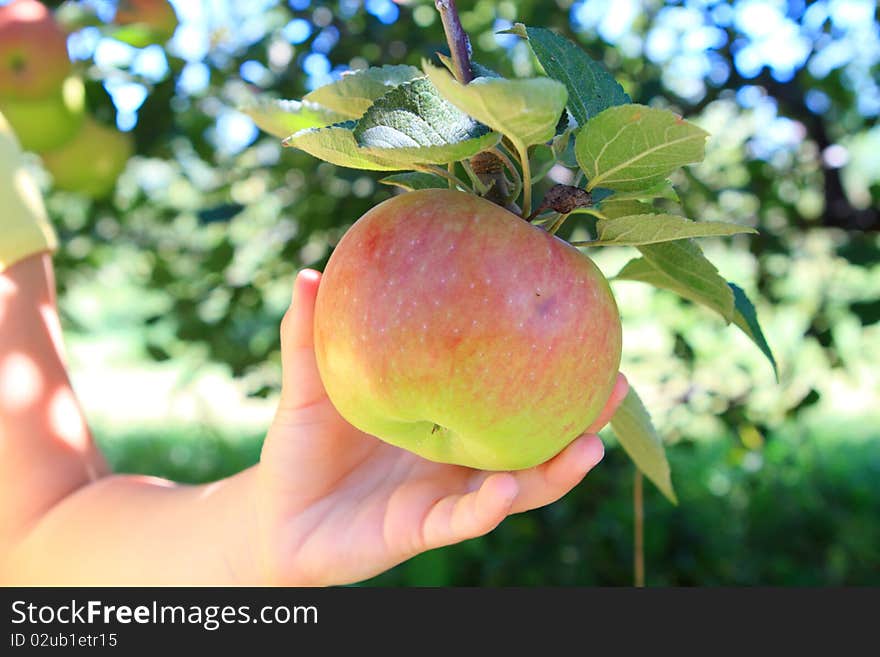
[65, 519]
[46, 451]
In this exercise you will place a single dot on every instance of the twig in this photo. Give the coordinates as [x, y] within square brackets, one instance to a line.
[477, 184]
[638, 530]
[517, 179]
[457, 38]
[526, 179]
[557, 224]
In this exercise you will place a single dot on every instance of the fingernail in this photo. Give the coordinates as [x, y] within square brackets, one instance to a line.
[304, 276]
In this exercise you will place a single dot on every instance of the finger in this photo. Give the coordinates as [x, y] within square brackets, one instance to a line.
[549, 481]
[300, 382]
[459, 517]
[621, 388]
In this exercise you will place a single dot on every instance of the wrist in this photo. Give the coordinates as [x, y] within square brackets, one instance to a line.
[237, 529]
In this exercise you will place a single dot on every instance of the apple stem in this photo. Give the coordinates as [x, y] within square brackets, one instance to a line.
[450, 168]
[517, 179]
[557, 224]
[526, 180]
[457, 38]
[476, 183]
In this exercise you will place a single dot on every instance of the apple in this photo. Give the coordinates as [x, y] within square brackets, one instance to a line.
[46, 123]
[447, 325]
[91, 162]
[33, 51]
[154, 21]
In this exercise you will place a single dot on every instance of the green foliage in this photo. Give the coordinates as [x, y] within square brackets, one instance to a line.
[337, 145]
[638, 229]
[635, 432]
[354, 93]
[614, 207]
[413, 124]
[524, 111]
[682, 267]
[632, 147]
[282, 118]
[415, 180]
[591, 88]
[664, 190]
[745, 316]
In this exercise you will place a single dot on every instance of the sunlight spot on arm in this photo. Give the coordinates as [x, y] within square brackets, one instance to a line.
[21, 383]
[67, 420]
[49, 315]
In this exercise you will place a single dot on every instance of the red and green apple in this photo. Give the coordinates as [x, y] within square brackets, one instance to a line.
[455, 329]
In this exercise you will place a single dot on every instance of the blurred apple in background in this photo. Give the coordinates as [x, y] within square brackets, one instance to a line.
[91, 162]
[47, 123]
[144, 22]
[33, 51]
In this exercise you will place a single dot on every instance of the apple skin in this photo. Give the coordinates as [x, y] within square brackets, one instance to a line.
[156, 16]
[91, 162]
[33, 51]
[47, 123]
[448, 326]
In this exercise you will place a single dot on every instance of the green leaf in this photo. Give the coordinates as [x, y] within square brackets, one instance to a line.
[354, 92]
[633, 147]
[568, 157]
[542, 160]
[682, 268]
[636, 434]
[526, 111]
[284, 117]
[744, 315]
[481, 71]
[560, 144]
[639, 229]
[413, 124]
[478, 70]
[565, 124]
[591, 88]
[746, 318]
[415, 180]
[663, 190]
[336, 144]
[613, 207]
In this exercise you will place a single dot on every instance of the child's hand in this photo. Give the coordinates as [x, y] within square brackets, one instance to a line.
[336, 505]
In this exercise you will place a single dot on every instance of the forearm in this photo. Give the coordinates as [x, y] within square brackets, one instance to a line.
[64, 518]
[46, 450]
[132, 530]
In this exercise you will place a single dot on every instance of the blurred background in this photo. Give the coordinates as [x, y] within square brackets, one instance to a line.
[173, 283]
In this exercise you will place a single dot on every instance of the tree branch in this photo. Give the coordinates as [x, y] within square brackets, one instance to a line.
[459, 45]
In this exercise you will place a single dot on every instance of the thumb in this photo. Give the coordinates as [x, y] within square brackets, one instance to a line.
[621, 389]
[300, 381]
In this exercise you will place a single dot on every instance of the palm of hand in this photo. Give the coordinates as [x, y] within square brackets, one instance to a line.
[337, 505]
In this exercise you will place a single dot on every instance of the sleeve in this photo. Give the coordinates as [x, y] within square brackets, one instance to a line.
[24, 224]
